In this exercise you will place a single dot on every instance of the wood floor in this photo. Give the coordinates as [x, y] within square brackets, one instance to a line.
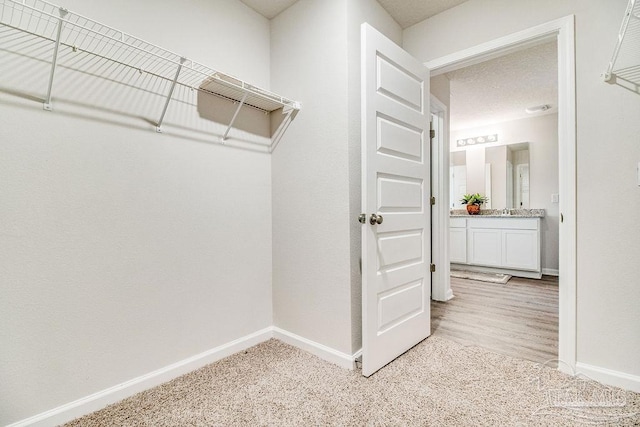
[519, 319]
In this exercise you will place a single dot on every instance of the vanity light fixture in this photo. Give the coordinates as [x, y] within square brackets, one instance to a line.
[477, 140]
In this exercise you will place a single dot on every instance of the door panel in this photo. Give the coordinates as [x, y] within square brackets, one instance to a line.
[399, 193]
[398, 249]
[400, 304]
[520, 249]
[395, 185]
[398, 83]
[485, 246]
[399, 139]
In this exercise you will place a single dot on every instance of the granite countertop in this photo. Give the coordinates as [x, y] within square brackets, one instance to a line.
[497, 213]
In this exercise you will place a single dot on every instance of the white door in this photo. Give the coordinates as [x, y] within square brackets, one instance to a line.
[396, 249]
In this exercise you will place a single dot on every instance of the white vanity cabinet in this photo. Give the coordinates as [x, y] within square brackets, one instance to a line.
[458, 240]
[506, 244]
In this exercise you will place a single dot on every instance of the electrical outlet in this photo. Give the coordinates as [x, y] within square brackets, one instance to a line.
[555, 198]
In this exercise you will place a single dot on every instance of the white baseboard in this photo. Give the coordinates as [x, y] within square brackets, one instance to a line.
[550, 271]
[449, 294]
[610, 377]
[329, 354]
[99, 400]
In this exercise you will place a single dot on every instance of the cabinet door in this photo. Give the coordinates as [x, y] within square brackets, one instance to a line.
[521, 249]
[458, 245]
[485, 247]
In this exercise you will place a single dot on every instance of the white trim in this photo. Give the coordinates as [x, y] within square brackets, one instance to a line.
[551, 272]
[99, 400]
[564, 29]
[521, 40]
[610, 377]
[440, 279]
[329, 354]
[567, 342]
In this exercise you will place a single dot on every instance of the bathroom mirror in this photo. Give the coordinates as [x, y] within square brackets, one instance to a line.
[499, 172]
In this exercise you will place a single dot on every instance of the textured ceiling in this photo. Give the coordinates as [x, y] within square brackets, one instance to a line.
[268, 8]
[405, 12]
[500, 89]
[409, 12]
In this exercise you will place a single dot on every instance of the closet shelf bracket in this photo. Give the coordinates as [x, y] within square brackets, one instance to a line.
[54, 61]
[235, 115]
[625, 61]
[170, 94]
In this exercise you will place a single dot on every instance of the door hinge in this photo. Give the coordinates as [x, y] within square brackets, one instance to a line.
[433, 200]
[432, 268]
[432, 133]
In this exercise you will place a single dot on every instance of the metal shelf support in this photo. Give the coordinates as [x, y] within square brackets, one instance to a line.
[629, 34]
[170, 94]
[47, 102]
[233, 119]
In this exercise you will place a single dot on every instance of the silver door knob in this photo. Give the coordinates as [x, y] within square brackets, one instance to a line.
[376, 219]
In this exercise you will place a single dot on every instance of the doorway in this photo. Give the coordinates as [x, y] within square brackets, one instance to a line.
[561, 30]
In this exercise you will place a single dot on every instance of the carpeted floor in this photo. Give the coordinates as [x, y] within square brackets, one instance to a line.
[438, 383]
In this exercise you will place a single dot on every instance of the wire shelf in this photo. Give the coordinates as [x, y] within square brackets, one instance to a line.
[625, 61]
[62, 27]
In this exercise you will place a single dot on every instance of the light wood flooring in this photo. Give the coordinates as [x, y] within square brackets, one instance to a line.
[519, 319]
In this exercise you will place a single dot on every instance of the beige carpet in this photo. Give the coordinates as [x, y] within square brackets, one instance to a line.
[438, 383]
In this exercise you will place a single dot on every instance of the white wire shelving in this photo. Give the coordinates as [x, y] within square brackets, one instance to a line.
[61, 27]
[625, 61]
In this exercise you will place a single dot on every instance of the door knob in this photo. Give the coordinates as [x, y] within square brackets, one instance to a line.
[376, 219]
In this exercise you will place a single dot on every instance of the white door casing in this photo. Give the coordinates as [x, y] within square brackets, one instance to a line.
[562, 30]
[395, 186]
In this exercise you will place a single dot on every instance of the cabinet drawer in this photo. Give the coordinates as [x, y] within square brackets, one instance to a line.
[457, 222]
[505, 223]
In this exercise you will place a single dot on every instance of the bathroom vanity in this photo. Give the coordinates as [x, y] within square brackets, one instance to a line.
[497, 243]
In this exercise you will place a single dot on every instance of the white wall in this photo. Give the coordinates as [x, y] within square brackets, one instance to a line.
[541, 132]
[316, 169]
[123, 250]
[608, 319]
[310, 176]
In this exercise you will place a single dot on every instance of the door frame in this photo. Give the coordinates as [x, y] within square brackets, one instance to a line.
[440, 279]
[564, 30]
